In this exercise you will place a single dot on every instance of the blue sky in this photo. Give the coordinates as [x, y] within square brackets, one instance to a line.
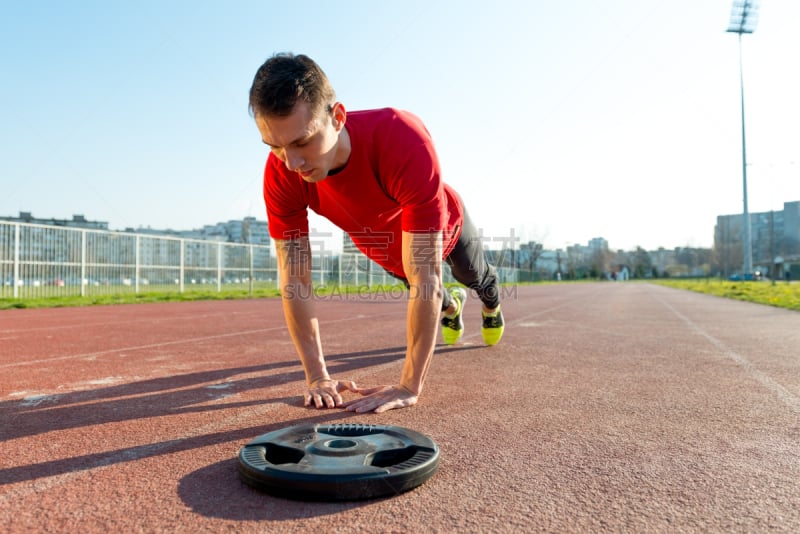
[557, 121]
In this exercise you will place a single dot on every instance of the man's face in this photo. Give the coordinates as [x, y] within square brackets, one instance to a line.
[304, 143]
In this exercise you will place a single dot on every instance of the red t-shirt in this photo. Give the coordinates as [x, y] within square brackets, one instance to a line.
[391, 183]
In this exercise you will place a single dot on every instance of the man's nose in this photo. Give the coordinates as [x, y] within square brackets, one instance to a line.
[292, 160]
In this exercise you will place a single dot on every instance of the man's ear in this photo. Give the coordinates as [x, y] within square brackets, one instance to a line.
[339, 116]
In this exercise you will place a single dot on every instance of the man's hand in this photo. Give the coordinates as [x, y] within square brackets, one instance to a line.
[380, 399]
[325, 393]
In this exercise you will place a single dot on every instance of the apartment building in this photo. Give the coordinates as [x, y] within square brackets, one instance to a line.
[775, 237]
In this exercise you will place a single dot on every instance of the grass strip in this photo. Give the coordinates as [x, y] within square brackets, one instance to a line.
[778, 294]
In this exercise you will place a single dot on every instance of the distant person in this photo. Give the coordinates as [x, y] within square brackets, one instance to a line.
[376, 175]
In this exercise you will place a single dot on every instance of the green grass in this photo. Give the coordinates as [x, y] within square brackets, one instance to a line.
[132, 298]
[175, 296]
[780, 294]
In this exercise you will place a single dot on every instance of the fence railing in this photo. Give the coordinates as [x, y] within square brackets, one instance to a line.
[41, 261]
[48, 261]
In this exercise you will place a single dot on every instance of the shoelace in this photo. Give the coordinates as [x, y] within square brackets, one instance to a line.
[492, 321]
[451, 322]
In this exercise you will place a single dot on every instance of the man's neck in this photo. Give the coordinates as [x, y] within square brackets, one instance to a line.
[343, 150]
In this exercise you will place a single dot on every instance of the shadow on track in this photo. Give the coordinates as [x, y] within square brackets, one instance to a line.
[162, 398]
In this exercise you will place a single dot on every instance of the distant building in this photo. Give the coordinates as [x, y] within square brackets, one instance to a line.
[348, 247]
[552, 263]
[77, 221]
[247, 231]
[661, 259]
[598, 244]
[775, 237]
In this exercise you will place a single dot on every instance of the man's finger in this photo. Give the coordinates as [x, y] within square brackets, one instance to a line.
[369, 391]
[347, 385]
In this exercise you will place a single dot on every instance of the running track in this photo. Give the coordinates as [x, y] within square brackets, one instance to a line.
[607, 407]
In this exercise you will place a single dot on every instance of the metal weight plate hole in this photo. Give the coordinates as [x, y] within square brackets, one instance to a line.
[393, 457]
[277, 454]
[341, 443]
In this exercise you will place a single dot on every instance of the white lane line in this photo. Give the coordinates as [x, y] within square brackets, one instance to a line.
[133, 348]
[788, 398]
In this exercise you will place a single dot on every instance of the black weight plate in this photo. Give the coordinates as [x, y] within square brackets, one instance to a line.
[338, 462]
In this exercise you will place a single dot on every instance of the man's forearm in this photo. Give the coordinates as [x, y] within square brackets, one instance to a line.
[303, 327]
[422, 264]
[294, 260]
[422, 328]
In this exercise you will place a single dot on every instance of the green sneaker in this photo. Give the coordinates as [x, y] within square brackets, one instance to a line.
[493, 326]
[453, 325]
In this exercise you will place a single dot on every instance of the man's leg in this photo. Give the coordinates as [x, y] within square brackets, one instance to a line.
[469, 266]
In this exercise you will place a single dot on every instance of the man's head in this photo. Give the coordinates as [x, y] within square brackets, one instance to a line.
[296, 113]
[285, 79]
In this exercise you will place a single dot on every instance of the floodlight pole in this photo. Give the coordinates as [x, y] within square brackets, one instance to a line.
[747, 265]
[743, 20]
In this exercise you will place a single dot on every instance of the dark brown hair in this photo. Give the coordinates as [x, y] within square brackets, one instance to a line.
[286, 78]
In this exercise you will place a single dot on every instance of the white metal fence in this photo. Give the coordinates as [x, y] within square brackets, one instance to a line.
[42, 261]
[48, 261]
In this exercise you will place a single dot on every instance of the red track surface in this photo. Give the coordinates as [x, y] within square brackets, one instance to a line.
[624, 407]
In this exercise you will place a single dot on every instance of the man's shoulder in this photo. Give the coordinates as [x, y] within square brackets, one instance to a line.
[375, 113]
[387, 120]
[382, 115]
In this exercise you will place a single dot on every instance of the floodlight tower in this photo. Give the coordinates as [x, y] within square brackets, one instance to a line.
[744, 17]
